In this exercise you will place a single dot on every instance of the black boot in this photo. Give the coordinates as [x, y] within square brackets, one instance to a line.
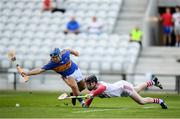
[73, 101]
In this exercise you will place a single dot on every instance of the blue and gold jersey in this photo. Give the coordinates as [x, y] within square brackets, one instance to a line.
[65, 67]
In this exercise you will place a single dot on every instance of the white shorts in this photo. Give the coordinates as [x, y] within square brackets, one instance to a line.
[177, 30]
[77, 75]
[126, 89]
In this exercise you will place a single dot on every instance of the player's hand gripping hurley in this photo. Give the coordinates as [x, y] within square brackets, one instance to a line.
[12, 58]
[65, 96]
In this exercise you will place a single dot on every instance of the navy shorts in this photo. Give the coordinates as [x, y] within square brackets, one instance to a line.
[167, 30]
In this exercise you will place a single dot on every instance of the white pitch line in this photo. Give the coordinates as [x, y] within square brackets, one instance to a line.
[97, 110]
[149, 107]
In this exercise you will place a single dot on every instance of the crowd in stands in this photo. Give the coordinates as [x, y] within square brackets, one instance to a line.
[93, 27]
[45, 26]
[170, 23]
[73, 26]
[47, 6]
[176, 19]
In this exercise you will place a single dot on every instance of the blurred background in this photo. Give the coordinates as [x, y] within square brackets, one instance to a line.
[33, 27]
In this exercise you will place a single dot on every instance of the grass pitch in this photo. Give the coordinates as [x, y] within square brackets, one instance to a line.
[45, 104]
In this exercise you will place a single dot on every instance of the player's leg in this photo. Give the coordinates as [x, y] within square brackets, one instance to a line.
[71, 82]
[168, 35]
[147, 100]
[128, 90]
[154, 81]
[164, 36]
[79, 79]
[80, 82]
[81, 85]
[165, 40]
[176, 36]
[169, 39]
[177, 41]
[77, 75]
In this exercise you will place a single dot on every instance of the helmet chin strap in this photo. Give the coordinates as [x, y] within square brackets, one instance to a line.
[60, 56]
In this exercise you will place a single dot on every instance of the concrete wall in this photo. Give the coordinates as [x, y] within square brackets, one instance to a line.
[150, 27]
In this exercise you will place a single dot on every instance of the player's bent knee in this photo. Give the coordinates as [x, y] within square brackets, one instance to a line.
[141, 102]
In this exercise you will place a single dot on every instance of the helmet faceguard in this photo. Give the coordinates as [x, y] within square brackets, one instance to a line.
[55, 53]
[91, 78]
[91, 82]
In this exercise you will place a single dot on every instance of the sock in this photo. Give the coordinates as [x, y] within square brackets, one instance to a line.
[81, 101]
[160, 101]
[157, 100]
[150, 83]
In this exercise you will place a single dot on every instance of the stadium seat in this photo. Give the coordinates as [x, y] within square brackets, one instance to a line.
[26, 28]
[5, 63]
[83, 65]
[106, 67]
[2, 48]
[94, 65]
[117, 67]
[38, 63]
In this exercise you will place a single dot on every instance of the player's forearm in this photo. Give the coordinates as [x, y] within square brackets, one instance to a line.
[35, 71]
[99, 90]
[88, 101]
[75, 53]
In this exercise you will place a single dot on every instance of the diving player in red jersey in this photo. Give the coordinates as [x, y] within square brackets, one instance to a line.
[61, 63]
[121, 89]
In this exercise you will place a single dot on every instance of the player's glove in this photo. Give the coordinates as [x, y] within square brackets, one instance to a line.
[84, 105]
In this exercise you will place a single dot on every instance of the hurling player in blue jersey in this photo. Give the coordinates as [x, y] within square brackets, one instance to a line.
[61, 63]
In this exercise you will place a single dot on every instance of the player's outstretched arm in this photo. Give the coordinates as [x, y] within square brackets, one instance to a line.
[74, 52]
[100, 89]
[35, 71]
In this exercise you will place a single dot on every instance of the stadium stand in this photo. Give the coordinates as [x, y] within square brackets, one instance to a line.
[32, 33]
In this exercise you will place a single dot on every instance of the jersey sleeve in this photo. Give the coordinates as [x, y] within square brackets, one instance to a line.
[101, 88]
[68, 53]
[47, 66]
[65, 53]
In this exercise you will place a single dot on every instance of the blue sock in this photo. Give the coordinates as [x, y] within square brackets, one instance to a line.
[81, 100]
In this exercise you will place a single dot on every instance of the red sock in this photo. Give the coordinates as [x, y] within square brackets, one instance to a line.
[156, 100]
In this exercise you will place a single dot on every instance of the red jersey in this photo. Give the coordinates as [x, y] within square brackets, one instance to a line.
[167, 19]
[47, 4]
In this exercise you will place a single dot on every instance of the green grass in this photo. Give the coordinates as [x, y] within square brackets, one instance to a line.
[45, 104]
